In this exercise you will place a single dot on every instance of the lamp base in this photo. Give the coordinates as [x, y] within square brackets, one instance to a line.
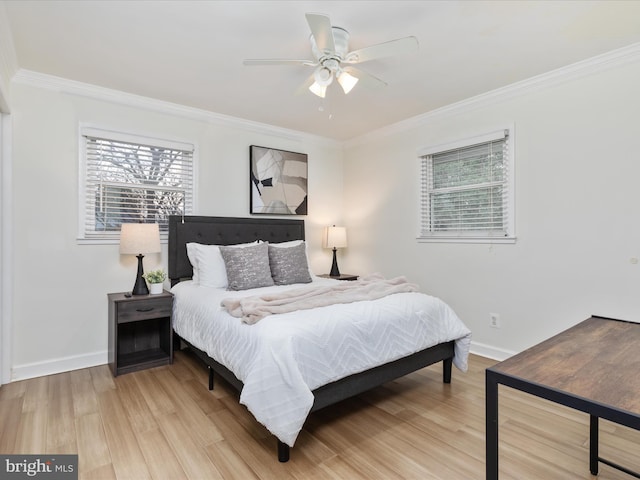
[335, 272]
[140, 287]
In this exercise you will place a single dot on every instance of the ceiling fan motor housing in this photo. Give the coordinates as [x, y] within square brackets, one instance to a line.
[341, 43]
[330, 60]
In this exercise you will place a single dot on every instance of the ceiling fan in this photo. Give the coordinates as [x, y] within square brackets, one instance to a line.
[330, 47]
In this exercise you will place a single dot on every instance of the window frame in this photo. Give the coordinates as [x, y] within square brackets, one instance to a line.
[469, 236]
[113, 237]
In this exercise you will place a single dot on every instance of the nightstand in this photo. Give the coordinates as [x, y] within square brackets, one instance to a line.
[344, 276]
[140, 331]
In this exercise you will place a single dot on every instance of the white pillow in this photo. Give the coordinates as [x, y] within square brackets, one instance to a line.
[290, 243]
[208, 266]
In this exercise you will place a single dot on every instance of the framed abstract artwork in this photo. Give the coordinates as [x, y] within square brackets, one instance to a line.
[278, 181]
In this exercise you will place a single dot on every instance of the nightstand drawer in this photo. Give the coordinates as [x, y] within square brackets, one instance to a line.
[141, 310]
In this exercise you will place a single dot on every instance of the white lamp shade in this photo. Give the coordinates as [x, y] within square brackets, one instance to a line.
[335, 237]
[137, 238]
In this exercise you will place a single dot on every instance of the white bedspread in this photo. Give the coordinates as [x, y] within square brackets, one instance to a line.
[282, 358]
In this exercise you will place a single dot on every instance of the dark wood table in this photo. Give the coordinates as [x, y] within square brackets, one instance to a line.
[593, 367]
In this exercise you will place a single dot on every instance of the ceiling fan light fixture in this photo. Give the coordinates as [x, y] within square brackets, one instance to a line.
[347, 81]
[323, 76]
[330, 49]
[319, 90]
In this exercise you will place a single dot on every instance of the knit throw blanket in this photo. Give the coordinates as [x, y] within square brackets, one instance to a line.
[255, 308]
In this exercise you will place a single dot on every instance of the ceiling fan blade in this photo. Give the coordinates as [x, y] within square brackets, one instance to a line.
[278, 61]
[320, 26]
[365, 78]
[387, 49]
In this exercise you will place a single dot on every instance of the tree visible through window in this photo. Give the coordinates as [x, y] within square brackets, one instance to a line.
[127, 182]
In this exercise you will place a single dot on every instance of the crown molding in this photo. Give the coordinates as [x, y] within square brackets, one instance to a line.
[606, 61]
[599, 63]
[81, 89]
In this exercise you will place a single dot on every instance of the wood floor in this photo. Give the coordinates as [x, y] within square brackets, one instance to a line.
[163, 423]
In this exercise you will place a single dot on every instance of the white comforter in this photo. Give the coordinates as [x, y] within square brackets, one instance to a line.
[282, 358]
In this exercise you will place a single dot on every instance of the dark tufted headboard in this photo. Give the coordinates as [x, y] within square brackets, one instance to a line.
[223, 231]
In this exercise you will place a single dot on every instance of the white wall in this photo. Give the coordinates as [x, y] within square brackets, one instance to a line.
[8, 62]
[8, 67]
[60, 287]
[577, 219]
[6, 254]
[576, 141]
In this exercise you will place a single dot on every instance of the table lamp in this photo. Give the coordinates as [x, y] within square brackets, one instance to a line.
[335, 237]
[137, 239]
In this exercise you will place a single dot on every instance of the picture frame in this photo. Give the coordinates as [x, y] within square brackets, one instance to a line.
[277, 181]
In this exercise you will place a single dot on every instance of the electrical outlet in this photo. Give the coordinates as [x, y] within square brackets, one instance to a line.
[494, 320]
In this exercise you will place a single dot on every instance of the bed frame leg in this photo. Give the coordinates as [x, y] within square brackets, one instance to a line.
[210, 378]
[446, 369]
[283, 452]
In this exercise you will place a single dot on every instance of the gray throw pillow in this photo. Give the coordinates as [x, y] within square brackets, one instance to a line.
[289, 265]
[247, 267]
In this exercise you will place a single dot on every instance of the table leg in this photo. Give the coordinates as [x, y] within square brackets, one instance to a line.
[593, 444]
[491, 418]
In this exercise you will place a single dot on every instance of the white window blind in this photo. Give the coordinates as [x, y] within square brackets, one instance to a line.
[466, 191]
[131, 180]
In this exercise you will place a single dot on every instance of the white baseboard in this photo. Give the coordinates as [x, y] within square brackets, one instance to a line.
[66, 364]
[490, 352]
[59, 365]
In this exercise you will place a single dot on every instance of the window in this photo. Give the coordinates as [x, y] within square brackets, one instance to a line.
[467, 190]
[130, 179]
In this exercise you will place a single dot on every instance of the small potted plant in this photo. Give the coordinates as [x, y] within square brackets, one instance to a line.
[155, 278]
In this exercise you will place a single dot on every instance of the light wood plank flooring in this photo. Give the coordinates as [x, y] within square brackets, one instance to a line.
[163, 423]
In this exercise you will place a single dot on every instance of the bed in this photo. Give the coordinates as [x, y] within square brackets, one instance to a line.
[223, 342]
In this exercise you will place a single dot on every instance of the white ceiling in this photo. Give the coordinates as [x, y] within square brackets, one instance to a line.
[191, 52]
